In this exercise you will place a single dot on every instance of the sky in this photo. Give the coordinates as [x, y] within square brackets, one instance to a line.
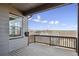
[62, 18]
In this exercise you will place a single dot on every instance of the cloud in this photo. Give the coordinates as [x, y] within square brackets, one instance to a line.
[44, 21]
[38, 17]
[40, 20]
[36, 20]
[51, 22]
[56, 22]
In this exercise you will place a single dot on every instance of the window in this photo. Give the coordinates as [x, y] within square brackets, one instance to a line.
[15, 26]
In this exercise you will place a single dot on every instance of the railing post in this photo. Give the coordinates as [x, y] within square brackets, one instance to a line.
[58, 41]
[34, 38]
[76, 46]
[50, 41]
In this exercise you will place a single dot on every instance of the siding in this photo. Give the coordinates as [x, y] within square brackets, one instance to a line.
[4, 39]
[7, 45]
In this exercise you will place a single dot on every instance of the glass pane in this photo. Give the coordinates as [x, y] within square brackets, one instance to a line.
[15, 25]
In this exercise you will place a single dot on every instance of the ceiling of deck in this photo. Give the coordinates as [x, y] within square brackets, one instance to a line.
[25, 6]
[29, 8]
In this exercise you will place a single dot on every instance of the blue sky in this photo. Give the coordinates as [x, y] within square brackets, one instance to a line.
[63, 18]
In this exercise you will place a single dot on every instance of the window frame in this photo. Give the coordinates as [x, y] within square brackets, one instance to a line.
[21, 36]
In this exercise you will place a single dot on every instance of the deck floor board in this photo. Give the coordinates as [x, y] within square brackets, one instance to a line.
[38, 49]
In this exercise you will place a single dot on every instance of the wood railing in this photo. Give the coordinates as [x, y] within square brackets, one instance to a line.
[63, 41]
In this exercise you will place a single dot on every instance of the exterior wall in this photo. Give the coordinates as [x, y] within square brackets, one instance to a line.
[4, 38]
[17, 43]
[7, 45]
[20, 42]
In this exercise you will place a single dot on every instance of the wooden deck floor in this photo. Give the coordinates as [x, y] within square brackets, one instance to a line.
[38, 49]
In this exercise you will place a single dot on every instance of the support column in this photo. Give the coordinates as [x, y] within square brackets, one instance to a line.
[78, 32]
[25, 29]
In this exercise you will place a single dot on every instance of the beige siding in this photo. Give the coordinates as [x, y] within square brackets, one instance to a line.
[4, 39]
[7, 45]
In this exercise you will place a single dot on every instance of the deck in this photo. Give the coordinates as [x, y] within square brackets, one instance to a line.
[38, 49]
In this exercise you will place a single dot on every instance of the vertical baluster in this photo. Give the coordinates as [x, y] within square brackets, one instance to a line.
[60, 41]
[56, 41]
[74, 43]
[67, 43]
[50, 40]
[76, 46]
[71, 42]
[63, 41]
[34, 38]
[53, 41]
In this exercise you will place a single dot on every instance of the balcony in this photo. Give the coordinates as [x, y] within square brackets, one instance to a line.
[46, 45]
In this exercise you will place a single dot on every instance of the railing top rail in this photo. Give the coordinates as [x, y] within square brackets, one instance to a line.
[56, 36]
